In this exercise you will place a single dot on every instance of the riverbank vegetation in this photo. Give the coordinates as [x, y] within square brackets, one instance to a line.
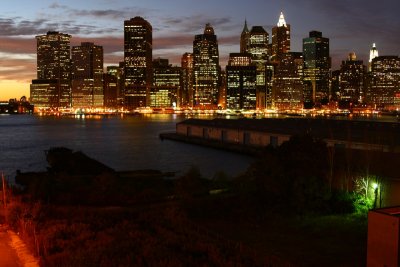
[287, 209]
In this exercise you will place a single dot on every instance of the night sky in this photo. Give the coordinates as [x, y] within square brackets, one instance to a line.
[351, 25]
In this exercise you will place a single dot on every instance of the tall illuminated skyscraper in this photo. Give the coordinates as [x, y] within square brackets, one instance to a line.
[87, 76]
[53, 85]
[317, 66]
[373, 53]
[241, 82]
[288, 82]
[138, 46]
[351, 81]
[280, 39]
[258, 49]
[206, 69]
[186, 94]
[384, 90]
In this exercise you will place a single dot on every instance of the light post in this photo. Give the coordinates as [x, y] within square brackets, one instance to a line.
[375, 187]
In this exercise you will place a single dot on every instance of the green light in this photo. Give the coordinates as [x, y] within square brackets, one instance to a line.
[374, 186]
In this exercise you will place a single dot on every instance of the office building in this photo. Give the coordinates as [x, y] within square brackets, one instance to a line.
[44, 93]
[317, 66]
[351, 82]
[206, 69]
[138, 71]
[87, 76]
[112, 86]
[240, 82]
[288, 82]
[258, 49]
[54, 64]
[186, 95]
[280, 39]
[384, 87]
[166, 84]
[222, 91]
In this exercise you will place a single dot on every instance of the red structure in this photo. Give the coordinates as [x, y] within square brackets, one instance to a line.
[383, 237]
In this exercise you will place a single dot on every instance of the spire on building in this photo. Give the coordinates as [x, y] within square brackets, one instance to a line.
[245, 28]
[244, 38]
[281, 21]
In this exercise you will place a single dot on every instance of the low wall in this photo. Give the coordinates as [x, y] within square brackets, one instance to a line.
[263, 138]
[234, 136]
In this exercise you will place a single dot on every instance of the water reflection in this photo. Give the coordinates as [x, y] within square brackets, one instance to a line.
[121, 142]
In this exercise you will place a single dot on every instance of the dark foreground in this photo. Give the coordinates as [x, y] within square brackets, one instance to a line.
[82, 213]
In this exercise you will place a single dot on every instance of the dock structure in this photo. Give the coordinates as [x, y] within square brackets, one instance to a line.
[252, 134]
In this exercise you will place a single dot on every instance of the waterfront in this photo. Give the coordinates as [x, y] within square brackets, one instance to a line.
[123, 143]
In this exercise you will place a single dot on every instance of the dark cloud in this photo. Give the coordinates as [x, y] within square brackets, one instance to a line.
[114, 14]
[195, 24]
[17, 27]
[57, 6]
[120, 14]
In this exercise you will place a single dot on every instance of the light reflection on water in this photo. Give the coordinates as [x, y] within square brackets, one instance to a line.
[121, 142]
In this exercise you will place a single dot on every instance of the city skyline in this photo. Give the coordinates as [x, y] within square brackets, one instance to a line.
[349, 26]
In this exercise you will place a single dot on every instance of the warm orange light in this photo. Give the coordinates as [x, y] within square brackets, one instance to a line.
[13, 89]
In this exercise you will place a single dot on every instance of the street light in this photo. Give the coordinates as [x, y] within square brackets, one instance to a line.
[375, 186]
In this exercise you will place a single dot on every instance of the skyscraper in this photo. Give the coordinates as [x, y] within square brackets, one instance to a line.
[241, 82]
[317, 65]
[87, 76]
[288, 82]
[113, 86]
[351, 81]
[53, 63]
[244, 39]
[110, 88]
[373, 53]
[138, 45]
[166, 84]
[186, 94]
[206, 69]
[258, 49]
[384, 90]
[280, 39]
